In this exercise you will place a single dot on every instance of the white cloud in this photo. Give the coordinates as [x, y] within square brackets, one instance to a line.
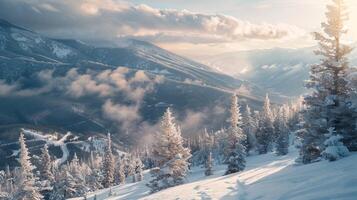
[6, 89]
[123, 114]
[106, 85]
[107, 19]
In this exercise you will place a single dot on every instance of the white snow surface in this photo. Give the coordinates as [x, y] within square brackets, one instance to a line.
[60, 51]
[267, 177]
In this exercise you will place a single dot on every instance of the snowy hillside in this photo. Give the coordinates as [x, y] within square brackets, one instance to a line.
[31, 64]
[266, 177]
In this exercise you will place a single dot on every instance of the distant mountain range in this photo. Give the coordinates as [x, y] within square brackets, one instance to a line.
[279, 70]
[33, 68]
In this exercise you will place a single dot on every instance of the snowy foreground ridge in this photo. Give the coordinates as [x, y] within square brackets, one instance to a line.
[267, 177]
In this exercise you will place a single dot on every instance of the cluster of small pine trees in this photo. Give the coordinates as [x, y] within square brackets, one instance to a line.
[248, 134]
[74, 179]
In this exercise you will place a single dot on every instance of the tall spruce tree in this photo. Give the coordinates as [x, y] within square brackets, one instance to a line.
[209, 165]
[169, 154]
[108, 164]
[27, 188]
[46, 165]
[236, 139]
[265, 135]
[249, 129]
[282, 131]
[328, 105]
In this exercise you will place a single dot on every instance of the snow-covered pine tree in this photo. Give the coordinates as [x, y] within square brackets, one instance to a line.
[282, 143]
[46, 165]
[169, 154]
[46, 175]
[221, 142]
[78, 173]
[205, 146]
[209, 165]
[335, 149]
[9, 187]
[95, 179]
[249, 130]
[328, 105]
[108, 164]
[27, 188]
[129, 166]
[121, 173]
[265, 135]
[236, 140]
[147, 158]
[64, 186]
[138, 170]
[4, 193]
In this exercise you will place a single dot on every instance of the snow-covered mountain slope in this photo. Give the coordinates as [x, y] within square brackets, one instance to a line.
[278, 69]
[20, 47]
[30, 100]
[267, 177]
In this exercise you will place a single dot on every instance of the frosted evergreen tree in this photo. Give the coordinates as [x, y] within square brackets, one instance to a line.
[108, 164]
[138, 170]
[46, 175]
[209, 165]
[121, 173]
[249, 128]
[201, 152]
[58, 192]
[64, 186]
[236, 140]
[170, 157]
[78, 173]
[96, 177]
[27, 187]
[282, 143]
[129, 165]
[46, 165]
[4, 193]
[265, 134]
[335, 149]
[328, 105]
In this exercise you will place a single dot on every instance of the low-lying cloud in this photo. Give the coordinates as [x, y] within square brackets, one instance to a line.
[132, 86]
[103, 20]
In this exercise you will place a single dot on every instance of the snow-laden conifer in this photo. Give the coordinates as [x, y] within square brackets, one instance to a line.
[282, 132]
[236, 139]
[329, 104]
[209, 165]
[335, 149]
[108, 164]
[169, 154]
[27, 188]
[250, 128]
[265, 135]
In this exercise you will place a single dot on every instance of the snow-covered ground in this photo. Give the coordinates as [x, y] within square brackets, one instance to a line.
[267, 177]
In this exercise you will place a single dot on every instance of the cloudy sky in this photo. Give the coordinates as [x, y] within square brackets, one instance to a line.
[188, 27]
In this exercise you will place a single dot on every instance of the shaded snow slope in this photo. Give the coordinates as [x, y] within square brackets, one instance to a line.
[267, 177]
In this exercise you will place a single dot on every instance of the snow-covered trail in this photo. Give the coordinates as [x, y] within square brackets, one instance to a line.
[267, 177]
[52, 140]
